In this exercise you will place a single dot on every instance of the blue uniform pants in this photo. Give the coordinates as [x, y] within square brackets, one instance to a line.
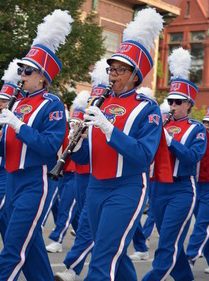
[114, 211]
[27, 197]
[82, 246]
[200, 234]
[66, 209]
[173, 205]
[3, 179]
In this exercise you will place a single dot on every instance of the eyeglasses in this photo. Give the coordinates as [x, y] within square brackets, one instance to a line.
[176, 101]
[28, 70]
[117, 70]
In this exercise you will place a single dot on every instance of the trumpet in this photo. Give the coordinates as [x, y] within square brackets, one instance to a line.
[82, 127]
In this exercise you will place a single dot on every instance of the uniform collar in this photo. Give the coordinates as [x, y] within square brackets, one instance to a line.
[125, 94]
[181, 119]
[27, 94]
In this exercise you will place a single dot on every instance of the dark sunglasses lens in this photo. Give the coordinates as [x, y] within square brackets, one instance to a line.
[19, 70]
[177, 102]
[28, 70]
[170, 102]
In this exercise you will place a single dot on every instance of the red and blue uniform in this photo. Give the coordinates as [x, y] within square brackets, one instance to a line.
[118, 184]
[173, 203]
[3, 179]
[200, 235]
[29, 155]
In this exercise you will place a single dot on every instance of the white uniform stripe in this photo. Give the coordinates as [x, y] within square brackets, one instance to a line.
[182, 229]
[130, 225]
[67, 222]
[33, 225]
[30, 123]
[2, 202]
[202, 245]
[90, 147]
[183, 140]
[50, 206]
[126, 130]
[81, 257]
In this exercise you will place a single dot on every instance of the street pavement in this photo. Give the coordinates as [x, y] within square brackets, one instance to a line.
[141, 267]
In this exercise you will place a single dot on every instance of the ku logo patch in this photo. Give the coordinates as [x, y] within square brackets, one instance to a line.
[112, 111]
[200, 136]
[172, 130]
[22, 110]
[154, 118]
[55, 115]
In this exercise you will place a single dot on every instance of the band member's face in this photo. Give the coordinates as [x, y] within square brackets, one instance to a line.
[121, 74]
[180, 110]
[206, 124]
[33, 80]
[3, 103]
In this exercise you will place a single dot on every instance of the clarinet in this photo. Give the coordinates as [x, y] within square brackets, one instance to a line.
[82, 127]
[14, 97]
[168, 118]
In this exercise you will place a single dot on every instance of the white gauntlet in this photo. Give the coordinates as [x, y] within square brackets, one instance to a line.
[8, 117]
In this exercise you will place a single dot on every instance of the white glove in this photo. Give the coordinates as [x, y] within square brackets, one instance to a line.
[97, 118]
[8, 117]
[168, 137]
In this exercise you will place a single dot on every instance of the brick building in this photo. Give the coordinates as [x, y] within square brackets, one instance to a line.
[114, 15]
[191, 31]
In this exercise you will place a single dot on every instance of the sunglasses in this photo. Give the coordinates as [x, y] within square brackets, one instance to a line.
[28, 70]
[176, 101]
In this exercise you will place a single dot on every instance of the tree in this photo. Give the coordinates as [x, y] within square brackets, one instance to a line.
[84, 46]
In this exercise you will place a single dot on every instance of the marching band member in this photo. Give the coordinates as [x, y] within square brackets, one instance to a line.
[34, 132]
[83, 243]
[173, 203]
[200, 235]
[122, 140]
[75, 183]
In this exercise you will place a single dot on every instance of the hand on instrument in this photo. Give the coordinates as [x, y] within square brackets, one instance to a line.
[168, 137]
[8, 117]
[73, 129]
[95, 117]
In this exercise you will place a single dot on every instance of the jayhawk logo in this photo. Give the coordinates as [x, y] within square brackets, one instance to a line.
[172, 130]
[22, 110]
[112, 111]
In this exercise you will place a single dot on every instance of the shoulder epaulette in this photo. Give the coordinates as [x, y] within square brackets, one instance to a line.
[194, 121]
[51, 97]
[141, 96]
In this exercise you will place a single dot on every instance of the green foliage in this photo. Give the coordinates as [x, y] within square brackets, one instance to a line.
[198, 113]
[68, 98]
[84, 46]
[160, 96]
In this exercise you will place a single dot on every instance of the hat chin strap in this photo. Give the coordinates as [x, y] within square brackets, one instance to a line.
[130, 79]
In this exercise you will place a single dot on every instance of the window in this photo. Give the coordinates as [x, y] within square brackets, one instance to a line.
[197, 52]
[175, 42]
[176, 37]
[111, 42]
[187, 10]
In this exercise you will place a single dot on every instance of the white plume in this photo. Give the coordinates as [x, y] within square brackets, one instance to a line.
[99, 74]
[145, 28]
[146, 91]
[10, 74]
[180, 63]
[54, 29]
[164, 107]
[81, 100]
